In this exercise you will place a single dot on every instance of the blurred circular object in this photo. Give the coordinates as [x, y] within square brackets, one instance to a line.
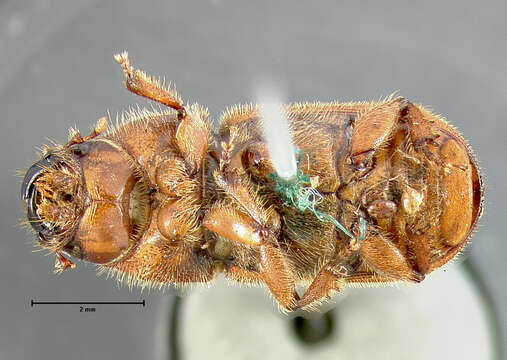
[444, 317]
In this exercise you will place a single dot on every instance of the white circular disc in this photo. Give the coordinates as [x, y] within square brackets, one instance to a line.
[444, 317]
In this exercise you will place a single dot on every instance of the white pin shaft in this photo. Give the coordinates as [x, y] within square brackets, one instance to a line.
[277, 135]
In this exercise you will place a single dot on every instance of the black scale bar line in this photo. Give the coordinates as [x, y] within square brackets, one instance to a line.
[33, 302]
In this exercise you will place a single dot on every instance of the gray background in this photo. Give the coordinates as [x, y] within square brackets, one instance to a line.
[57, 71]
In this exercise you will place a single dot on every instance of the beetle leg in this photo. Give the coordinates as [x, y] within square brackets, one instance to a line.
[250, 225]
[274, 267]
[366, 278]
[330, 278]
[143, 85]
[420, 130]
[192, 135]
[233, 225]
[99, 127]
[241, 193]
[62, 263]
[421, 247]
[377, 252]
[385, 259]
[163, 261]
[249, 276]
[242, 275]
[371, 130]
[377, 124]
[277, 273]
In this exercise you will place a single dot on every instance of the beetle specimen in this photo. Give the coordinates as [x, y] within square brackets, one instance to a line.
[164, 199]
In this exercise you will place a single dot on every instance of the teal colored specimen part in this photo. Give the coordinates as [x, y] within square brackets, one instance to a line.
[296, 192]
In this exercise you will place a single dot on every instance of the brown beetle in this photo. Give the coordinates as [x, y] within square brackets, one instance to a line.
[162, 199]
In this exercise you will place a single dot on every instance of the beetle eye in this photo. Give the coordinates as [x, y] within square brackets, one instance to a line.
[80, 149]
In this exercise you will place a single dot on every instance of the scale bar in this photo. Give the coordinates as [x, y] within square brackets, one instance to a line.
[33, 302]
